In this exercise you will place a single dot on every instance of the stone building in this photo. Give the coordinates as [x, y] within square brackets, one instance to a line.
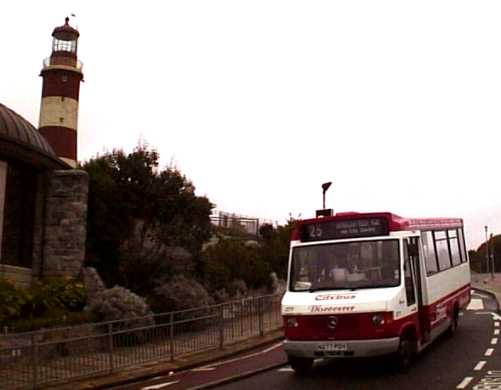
[43, 199]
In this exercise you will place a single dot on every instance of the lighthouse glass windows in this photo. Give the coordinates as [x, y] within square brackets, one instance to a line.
[61, 45]
[18, 215]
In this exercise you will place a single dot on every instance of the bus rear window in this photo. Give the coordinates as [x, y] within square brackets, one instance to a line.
[350, 265]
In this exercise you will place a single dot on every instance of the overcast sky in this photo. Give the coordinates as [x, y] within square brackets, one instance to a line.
[260, 102]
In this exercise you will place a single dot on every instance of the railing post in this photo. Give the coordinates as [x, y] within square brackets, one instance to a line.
[111, 362]
[35, 359]
[221, 327]
[171, 335]
[260, 308]
[241, 317]
[232, 318]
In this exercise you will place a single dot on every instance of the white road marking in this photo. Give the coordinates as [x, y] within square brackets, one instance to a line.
[270, 348]
[159, 386]
[480, 365]
[203, 369]
[476, 304]
[246, 356]
[285, 369]
[496, 331]
[495, 317]
[489, 352]
[494, 341]
[466, 381]
[491, 381]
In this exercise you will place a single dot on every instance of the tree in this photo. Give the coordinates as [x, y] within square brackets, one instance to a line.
[478, 258]
[232, 259]
[136, 210]
[274, 246]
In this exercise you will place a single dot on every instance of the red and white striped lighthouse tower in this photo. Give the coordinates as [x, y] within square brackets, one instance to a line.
[62, 74]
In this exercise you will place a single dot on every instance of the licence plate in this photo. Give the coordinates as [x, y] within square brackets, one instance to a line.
[331, 347]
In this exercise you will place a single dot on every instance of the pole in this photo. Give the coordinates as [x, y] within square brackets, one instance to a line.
[110, 347]
[487, 249]
[34, 359]
[325, 187]
[491, 255]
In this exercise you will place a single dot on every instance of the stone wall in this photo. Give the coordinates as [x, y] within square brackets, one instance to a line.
[19, 276]
[65, 223]
[39, 224]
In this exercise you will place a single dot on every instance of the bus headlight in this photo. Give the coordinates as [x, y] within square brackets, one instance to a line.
[378, 320]
[292, 322]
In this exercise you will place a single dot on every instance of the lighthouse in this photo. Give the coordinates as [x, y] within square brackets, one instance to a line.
[62, 74]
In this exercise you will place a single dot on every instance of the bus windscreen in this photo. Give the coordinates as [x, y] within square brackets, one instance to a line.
[349, 265]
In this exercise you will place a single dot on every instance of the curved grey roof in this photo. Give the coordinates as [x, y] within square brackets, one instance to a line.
[21, 141]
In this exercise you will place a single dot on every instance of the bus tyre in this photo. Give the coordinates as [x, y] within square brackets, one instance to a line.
[301, 366]
[454, 323]
[406, 353]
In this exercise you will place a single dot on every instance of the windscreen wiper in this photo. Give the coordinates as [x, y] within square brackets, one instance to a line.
[314, 289]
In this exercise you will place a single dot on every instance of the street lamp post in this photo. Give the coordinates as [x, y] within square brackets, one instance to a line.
[325, 187]
[487, 248]
[491, 256]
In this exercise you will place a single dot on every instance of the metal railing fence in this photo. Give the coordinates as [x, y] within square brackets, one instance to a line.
[29, 360]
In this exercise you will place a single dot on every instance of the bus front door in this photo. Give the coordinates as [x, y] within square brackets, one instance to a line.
[413, 284]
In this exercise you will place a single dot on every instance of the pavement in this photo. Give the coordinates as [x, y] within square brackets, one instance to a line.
[166, 367]
[490, 283]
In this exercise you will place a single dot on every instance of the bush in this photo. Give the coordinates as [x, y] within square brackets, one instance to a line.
[56, 319]
[180, 293]
[47, 303]
[238, 288]
[119, 303]
[12, 301]
[221, 295]
[55, 294]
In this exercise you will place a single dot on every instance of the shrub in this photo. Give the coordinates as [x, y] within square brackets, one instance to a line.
[48, 303]
[119, 303]
[221, 295]
[56, 319]
[238, 288]
[180, 293]
[12, 301]
[55, 294]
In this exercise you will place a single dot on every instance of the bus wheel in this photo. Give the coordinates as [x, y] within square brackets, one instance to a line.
[301, 366]
[454, 323]
[406, 353]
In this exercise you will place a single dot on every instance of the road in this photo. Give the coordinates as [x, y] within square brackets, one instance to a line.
[469, 360]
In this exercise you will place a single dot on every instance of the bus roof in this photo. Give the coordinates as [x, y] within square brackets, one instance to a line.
[392, 221]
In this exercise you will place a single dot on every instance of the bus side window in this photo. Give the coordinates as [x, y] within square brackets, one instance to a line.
[429, 253]
[410, 292]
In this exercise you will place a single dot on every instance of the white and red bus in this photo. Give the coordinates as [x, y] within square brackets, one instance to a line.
[368, 284]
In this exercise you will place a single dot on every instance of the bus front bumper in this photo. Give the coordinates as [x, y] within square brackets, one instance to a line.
[341, 348]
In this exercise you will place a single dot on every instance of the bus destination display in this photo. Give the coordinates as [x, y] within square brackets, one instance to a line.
[331, 230]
